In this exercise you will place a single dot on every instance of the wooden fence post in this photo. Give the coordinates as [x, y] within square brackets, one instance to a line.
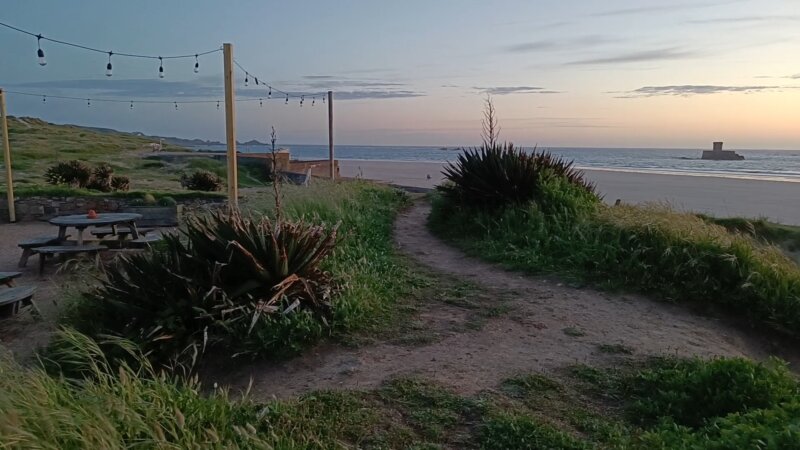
[331, 159]
[230, 127]
[12, 212]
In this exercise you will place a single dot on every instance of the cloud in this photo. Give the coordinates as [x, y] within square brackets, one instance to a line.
[747, 19]
[660, 54]
[506, 90]
[657, 8]
[566, 44]
[376, 94]
[691, 89]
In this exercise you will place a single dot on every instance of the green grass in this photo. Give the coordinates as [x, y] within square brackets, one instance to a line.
[66, 191]
[652, 249]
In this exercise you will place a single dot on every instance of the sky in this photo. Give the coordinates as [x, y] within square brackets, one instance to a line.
[617, 73]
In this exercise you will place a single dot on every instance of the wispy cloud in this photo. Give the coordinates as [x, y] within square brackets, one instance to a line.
[661, 7]
[692, 89]
[660, 54]
[565, 44]
[506, 90]
[746, 19]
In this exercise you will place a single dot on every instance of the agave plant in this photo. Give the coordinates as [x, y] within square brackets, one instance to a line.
[74, 173]
[101, 178]
[549, 165]
[221, 283]
[491, 176]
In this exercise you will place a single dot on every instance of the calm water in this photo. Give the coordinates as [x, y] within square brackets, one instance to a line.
[759, 164]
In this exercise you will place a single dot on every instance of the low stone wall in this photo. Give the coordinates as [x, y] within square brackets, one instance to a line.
[45, 208]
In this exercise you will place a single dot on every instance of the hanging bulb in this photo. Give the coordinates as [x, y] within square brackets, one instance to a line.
[109, 72]
[44, 99]
[260, 103]
[256, 80]
[217, 104]
[176, 105]
[246, 79]
[302, 99]
[323, 99]
[269, 95]
[287, 99]
[131, 105]
[196, 65]
[160, 67]
[313, 100]
[40, 52]
[88, 103]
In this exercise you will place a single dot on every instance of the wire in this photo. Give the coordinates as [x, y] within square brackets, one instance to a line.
[274, 89]
[92, 49]
[113, 100]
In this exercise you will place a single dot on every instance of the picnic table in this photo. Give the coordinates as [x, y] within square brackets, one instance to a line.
[80, 222]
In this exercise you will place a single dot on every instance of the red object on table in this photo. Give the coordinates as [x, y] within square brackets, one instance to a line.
[92, 214]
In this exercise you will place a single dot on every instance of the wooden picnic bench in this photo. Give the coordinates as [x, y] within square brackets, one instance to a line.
[7, 278]
[28, 245]
[11, 298]
[62, 250]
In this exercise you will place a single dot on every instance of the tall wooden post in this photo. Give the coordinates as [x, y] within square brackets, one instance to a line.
[230, 127]
[12, 212]
[330, 136]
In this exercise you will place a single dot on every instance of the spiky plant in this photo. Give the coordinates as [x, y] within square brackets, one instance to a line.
[101, 178]
[548, 164]
[74, 173]
[232, 283]
[491, 176]
[120, 183]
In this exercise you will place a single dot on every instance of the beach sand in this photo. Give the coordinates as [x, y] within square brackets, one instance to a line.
[722, 197]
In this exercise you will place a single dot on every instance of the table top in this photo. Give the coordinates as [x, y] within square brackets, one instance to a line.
[102, 219]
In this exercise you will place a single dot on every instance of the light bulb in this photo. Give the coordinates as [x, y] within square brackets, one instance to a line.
[109, 72]
[160, 67]
[269, 95]
[246, 80]
[196, 64]
[40, 52]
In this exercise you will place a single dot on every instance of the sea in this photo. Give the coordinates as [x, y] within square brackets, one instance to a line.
[774, 165]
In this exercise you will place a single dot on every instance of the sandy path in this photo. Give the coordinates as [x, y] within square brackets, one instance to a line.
[529, 338]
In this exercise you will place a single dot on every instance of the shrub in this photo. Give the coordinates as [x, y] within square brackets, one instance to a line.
[202, 180]
[73, 173]
[101, 178]
[251, 285]
[149, 199]
[692, 392]
[498, 175]
[120, 183]
[167, 201]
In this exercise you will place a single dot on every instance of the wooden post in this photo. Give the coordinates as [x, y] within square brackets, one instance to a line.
[12, 212]
[330, 136]
[230, 127]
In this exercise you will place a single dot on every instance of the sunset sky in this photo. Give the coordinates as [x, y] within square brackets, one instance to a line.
[617, 73]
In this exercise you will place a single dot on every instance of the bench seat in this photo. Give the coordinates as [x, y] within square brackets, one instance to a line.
[145, 241]
[51, 250]
[11, 298]
[28, 245]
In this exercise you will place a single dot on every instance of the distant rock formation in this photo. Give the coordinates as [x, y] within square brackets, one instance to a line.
[718, 154]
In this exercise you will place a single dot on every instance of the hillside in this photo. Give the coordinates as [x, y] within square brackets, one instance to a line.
[36, 145]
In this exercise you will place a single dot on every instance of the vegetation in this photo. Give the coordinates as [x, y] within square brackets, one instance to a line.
[202, 180]
[252, 285]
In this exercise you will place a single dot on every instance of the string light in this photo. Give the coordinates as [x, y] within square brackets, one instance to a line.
[160, 67]
[246, 80]
[196, 64]
[260, 103]
[109, 72]
[313, 100]
[40, 52]
[176, 105]
[88, 103]
[44, 99]
[217, 104]
[131, 104]
[255, 78]
[269, 95]
[287, 99]
[302, 99]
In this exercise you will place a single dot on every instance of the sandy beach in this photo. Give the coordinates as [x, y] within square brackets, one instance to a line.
[718, 196]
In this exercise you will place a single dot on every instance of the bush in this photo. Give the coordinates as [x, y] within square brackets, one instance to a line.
[73, 173]
[101, 178]
[525, 433]
[693, 392]
[202, 180]
[497, 175]
[120, 183]
[248, 285]
[167, 201]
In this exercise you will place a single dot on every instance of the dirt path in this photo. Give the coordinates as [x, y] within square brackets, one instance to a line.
[549, 326]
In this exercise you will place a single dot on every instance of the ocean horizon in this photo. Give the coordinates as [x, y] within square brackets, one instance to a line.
[771, 165]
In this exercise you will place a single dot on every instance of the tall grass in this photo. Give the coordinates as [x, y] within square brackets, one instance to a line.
[648, 248]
